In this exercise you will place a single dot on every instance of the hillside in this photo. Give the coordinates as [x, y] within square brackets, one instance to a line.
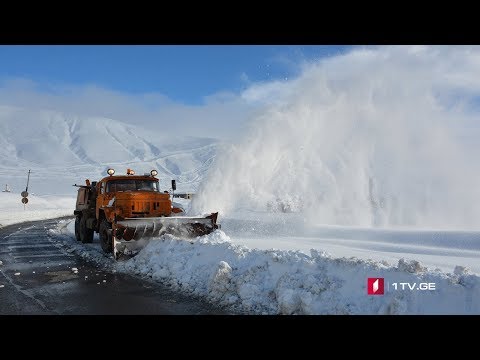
[63, 149]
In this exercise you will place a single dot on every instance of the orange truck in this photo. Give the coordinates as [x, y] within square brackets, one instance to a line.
[127, 210]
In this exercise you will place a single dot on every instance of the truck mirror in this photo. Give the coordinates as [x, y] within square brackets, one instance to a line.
[94, 184]
[174, 185]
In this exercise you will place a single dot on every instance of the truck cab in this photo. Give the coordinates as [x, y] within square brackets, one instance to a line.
[131, 196]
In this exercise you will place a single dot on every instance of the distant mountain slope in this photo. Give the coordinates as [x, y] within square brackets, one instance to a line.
[63, 149]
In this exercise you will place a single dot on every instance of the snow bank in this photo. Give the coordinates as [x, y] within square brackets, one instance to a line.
[38, 208]
[290, 282]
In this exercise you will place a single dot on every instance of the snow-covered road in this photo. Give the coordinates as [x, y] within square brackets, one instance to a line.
[274, 263]
[40, 275]
[443, 249]
[220, 268]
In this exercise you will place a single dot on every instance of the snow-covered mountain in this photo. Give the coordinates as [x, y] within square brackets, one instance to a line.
[63, 149]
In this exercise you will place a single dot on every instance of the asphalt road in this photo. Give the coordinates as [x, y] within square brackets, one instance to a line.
[36, 277]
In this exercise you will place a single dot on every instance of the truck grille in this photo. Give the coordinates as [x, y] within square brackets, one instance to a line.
[140, 207]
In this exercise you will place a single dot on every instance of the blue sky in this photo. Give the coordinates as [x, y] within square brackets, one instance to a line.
[184, 73]
[217, 90]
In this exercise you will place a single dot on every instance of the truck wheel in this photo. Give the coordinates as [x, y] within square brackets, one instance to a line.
[86, 234]
[77, 227]
[105, 233]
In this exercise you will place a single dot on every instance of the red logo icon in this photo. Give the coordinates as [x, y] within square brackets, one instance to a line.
[375, 286]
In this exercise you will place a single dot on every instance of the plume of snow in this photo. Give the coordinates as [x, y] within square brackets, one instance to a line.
[381, 136]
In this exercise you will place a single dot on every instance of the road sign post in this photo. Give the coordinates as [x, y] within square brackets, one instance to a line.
[25, 193]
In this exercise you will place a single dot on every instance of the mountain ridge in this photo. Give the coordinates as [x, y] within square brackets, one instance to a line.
[61, 147]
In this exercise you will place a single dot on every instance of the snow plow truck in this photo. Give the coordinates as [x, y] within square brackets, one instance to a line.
[127, 210]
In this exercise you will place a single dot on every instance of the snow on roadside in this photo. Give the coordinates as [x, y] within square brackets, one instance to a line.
[291, 282]
[38, 208]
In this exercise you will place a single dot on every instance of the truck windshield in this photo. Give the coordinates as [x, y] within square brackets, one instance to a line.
[132, 185]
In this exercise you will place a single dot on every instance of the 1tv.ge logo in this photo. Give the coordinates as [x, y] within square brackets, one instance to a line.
[375, 286]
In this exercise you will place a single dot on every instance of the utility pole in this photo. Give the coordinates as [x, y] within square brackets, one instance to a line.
[174, 187]
[28, 180]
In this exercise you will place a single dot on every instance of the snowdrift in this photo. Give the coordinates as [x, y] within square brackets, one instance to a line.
[289, 282]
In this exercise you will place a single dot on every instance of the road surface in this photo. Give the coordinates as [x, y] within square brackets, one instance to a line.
[36, 277]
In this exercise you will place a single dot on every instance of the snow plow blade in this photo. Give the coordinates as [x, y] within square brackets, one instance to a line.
[131, 235]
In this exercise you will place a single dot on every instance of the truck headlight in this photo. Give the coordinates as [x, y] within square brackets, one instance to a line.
[110, 172]
[154, 172]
